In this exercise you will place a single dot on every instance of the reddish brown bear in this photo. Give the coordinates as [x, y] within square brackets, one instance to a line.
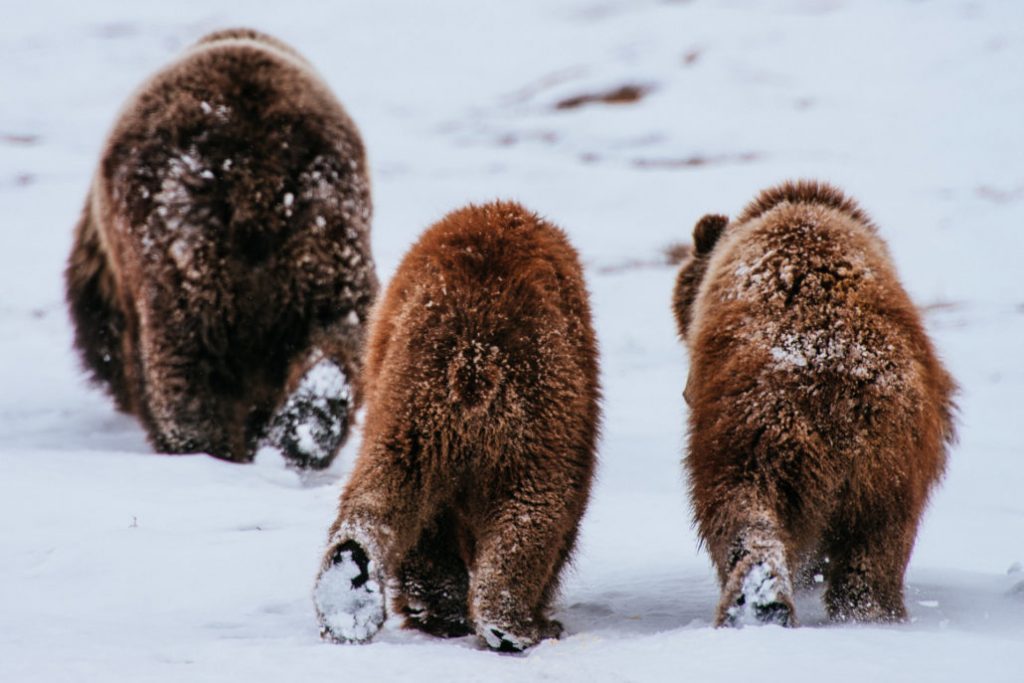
[819, 413]
[221, 269]
[482, 417]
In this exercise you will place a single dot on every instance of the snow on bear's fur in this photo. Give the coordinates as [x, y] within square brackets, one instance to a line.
[223, 255]
[819, 413]
[478, 451]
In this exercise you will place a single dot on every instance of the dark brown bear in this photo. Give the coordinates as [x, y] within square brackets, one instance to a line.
[221, 271]
[482, 416]
[819, 413]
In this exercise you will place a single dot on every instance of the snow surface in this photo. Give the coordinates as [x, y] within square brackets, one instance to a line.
[118, 564]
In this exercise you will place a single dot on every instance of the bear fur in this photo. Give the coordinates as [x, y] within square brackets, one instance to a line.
[820, 415]
[221, 270]
[482, 393]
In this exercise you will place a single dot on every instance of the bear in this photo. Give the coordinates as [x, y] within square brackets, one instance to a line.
[221, 274]
[819, 414]
[482, 417]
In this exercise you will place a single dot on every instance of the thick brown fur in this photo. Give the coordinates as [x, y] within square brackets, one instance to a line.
[820, 415]
[223, 252]
[482, 419]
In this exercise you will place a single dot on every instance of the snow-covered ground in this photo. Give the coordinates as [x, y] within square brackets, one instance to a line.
[119, 564]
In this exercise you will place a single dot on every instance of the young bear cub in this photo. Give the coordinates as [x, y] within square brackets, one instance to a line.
[819, 413]
[221, 271]
[481, 383]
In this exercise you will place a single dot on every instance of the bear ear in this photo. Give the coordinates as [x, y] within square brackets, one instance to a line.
[708, 230]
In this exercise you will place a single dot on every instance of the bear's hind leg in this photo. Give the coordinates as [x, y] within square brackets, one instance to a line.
[517, 561]
[312, 422]
[349, 593]
[382, 512]
[434, 584]
[98, 321]
[187, 409]
[867, 560]
[754, 568]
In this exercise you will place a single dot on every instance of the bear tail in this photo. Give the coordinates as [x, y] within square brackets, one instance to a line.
[475, 376]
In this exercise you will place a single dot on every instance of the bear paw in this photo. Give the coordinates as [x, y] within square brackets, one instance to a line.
[443, 625]
[504, 640]
[349, 598]
[762, 598]
[313, 422]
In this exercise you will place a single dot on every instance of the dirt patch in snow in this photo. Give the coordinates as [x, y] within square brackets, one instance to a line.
[624, 94]
[695, 161]
[21, 139]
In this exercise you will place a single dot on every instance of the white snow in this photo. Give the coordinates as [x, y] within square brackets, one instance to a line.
[325, 380]
[306, 439]
[117, 564]
[788, 356]
[323, 384]
[349, 613]
[761, 587]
